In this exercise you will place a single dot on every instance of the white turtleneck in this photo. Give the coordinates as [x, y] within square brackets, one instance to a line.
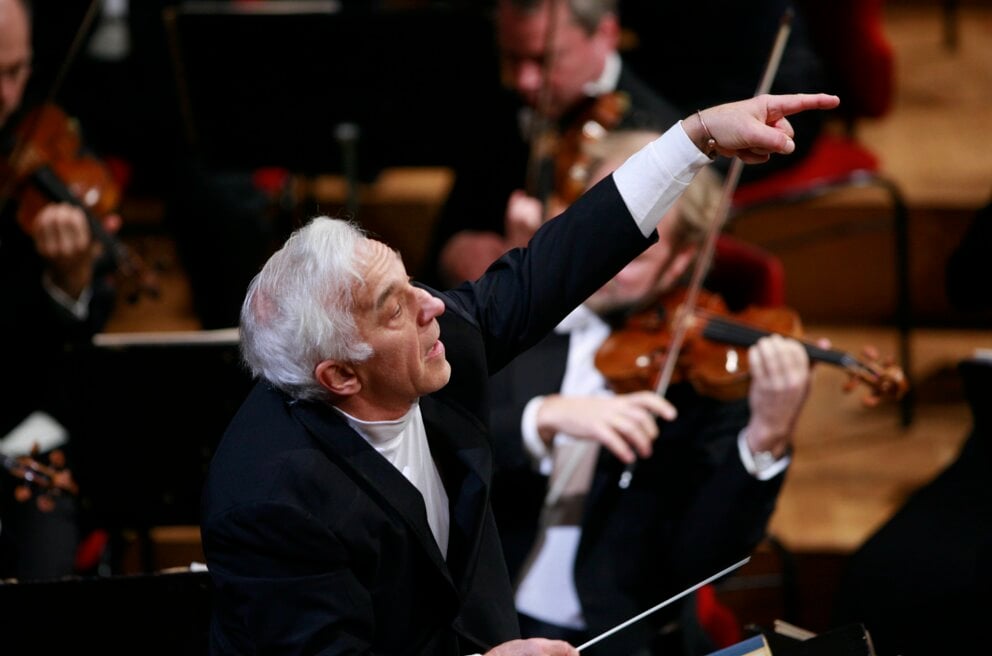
[403, 442]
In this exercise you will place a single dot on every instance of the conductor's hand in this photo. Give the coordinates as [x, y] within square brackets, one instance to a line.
[755, 128]
[623, 424]
[533, 647]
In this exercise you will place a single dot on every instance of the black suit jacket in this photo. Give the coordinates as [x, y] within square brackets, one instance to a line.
[43, 348]
[691, 510]
[316, 544]
[37, 334]
[920, 583]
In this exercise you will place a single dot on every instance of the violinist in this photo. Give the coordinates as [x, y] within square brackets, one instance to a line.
[586, 555]
[560, 66]
[53, 302]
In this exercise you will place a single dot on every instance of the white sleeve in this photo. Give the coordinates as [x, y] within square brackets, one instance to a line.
[538, 451]
[653, 178]
[80, 308]
[763, 471]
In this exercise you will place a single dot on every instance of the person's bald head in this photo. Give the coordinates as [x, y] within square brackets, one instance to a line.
[15, 55]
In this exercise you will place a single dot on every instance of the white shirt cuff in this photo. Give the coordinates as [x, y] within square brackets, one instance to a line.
[653, 178]
[80, 308]
[761, 473]
[539, 452]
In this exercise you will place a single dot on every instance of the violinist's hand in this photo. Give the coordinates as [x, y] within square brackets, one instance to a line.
[624, 424]
[524, 215]
[468, 254]
[755, 128]
[780, 377]
[533, 647]
[63, 238]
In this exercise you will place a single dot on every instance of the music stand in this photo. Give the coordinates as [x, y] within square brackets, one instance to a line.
[149, 614]
[156, 406]
[298, 84]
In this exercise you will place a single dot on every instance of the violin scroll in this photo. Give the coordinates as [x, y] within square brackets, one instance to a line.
[714, 355]
[885, 380]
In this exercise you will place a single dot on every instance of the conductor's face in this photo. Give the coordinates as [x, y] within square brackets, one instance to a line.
[399, 321]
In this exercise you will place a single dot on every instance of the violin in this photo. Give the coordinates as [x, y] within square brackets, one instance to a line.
[40, 480]
[560, 164]
[713, 357]
[48, 165]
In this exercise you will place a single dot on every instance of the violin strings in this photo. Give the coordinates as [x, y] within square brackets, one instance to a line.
[738, 333]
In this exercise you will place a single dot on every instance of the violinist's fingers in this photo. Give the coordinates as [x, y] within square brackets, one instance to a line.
[625, 424]
[774, 365]
[44, 503]
[622, 438]
[60, 231]
[778, 362]
[636, 421]
[779, 386]
[22, 493]
[638, 428]
[524, 215]
[469, 253]
[870, 352]
[657, 405]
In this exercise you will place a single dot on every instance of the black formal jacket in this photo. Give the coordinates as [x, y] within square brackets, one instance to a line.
[317, 545]
[495, 161]
[37, 334]
[691, 510]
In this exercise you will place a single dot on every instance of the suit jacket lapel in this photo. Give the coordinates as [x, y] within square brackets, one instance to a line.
[380, 479]
[465, 461]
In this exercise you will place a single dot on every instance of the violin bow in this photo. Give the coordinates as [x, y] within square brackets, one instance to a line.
[705, 257]
[538, 129]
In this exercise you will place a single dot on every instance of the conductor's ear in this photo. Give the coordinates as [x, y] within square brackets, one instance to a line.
[338, 378]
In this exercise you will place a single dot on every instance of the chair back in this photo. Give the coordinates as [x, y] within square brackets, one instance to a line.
[744, 275]
[858, 57]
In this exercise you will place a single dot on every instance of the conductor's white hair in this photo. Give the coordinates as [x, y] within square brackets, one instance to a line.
[299, 308]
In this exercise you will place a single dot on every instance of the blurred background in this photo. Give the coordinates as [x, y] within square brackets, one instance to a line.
[229, 123]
